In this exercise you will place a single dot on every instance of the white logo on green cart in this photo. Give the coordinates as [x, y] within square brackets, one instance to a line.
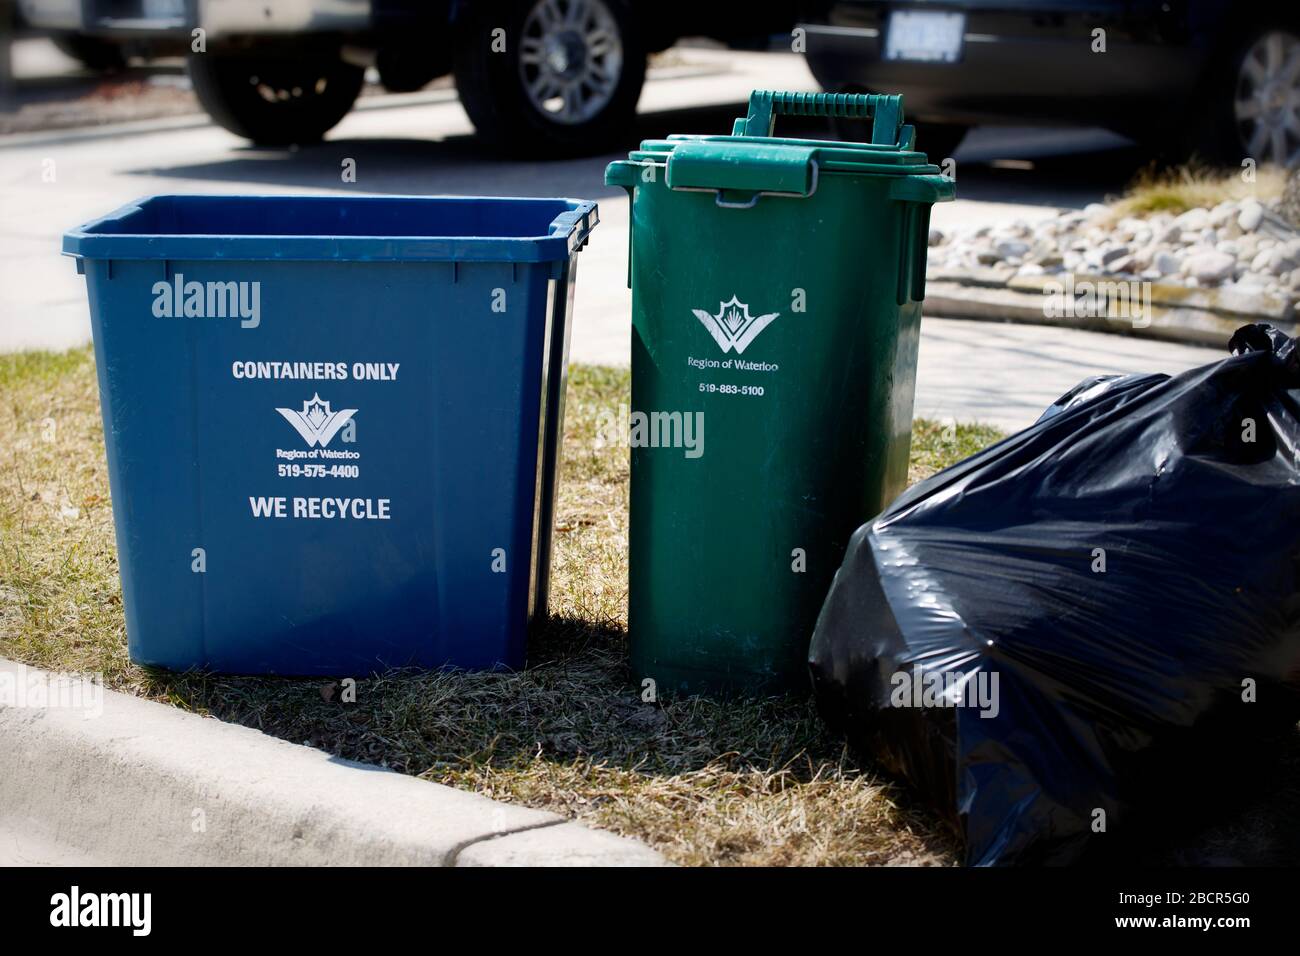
[733, 326]
[317, 423]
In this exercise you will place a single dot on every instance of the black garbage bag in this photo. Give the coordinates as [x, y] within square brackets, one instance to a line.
[1047, 636]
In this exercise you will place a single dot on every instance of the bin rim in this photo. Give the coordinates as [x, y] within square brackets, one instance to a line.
[567, 233]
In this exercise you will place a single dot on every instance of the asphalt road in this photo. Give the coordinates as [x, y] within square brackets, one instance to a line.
[423, 144]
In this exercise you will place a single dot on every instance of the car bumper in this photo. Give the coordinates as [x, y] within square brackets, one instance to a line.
[1049, 76]
[218, 18]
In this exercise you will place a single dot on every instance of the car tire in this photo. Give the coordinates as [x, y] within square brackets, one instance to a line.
[1249, 109]
[566, 82]
[275, 101]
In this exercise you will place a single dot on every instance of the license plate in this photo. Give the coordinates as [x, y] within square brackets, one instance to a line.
[924, 35]
[164, 9]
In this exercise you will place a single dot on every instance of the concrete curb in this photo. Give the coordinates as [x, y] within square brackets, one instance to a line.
[1177, 314]
[133, 782]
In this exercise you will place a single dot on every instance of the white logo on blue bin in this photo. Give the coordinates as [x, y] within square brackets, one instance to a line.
[317, 423]
[733, 327]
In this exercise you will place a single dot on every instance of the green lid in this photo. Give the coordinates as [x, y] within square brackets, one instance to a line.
[752, 162]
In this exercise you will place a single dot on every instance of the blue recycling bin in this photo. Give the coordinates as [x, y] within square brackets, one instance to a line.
[332, 424]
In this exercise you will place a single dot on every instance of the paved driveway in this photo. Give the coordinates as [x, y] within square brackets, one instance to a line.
[423, 143]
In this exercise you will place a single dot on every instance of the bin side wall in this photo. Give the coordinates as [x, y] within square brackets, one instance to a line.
[807, 422]
[373, 507]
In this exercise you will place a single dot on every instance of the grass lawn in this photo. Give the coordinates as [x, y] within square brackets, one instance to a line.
[758, 782]
[753, 783]
[1191, 186]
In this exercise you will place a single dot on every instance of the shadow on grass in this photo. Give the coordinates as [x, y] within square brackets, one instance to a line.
[1233, 804]
[570, 733]
[710, 782]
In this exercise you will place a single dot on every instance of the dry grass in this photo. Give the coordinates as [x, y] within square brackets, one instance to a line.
[755, 782]
[936, 445]
[1192, 186]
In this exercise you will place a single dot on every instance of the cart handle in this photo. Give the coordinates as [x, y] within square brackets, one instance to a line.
[885, 111]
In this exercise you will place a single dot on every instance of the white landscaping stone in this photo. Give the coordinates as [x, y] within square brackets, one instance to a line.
[1280, 260]
[1252, 280]
[1045, 253]
[1166, 263]
[1142, 258]
[1221, 213]
[1194, 220]
[1251, 215]
[1198, 248]
[1210, 267]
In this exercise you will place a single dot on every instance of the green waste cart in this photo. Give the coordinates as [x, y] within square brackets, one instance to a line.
[776, 303]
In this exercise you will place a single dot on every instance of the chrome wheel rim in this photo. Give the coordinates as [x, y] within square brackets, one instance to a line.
[570, 58]
[1267, 101]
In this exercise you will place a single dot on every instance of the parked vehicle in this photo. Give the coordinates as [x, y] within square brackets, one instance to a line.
[1181, 76]
[546, 76]
[98, 40]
